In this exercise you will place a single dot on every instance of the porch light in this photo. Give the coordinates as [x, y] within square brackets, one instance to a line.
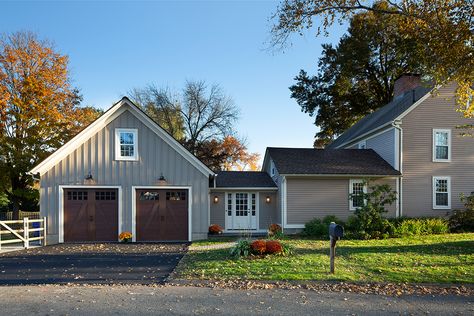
[267, 199]
[162, 180]
[216, 199]
[89, 176]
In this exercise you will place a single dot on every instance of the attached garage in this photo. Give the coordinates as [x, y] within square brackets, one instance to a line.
[162, 214]
[90, 214]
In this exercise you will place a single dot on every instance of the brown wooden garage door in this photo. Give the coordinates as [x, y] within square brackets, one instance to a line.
[90, 215]
[162, 215]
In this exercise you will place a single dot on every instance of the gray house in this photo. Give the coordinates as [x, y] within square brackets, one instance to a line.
[125, 173]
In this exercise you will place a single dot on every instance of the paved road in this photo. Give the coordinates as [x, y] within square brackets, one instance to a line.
[109, 263]
[174, 300]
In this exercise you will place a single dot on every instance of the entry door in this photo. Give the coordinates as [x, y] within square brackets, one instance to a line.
[242, 211]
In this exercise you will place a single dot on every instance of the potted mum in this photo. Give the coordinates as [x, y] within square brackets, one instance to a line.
[125, 237]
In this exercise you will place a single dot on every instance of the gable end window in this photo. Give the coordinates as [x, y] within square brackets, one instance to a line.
[126, 144]
[441, 145]
[441, 192]
[362, 145]
[357, 188]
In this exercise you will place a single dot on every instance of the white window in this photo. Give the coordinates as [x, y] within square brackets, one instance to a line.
[441, 145]
[126, 144]
[272, 167]
[362, 145]
[357, 188]
[441, 192]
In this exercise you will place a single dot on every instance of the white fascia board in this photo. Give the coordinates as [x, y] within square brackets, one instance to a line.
[77, 140]
[340, 176]
[398, 118]
[101, 122]
[172, 142]
[243, 189]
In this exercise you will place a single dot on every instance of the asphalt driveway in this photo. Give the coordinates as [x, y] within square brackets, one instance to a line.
[101, 263]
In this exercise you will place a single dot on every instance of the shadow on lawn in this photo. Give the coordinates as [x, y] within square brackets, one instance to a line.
[449, 248]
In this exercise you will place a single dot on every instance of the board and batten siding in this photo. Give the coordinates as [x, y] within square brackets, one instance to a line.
[97, 156]
[436, 112]
[316, 198]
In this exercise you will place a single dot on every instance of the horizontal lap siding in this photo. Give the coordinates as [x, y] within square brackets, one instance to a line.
[97, 155]
[317, 198]
[418, 167]
[384, 145]
[268, 212]
[310, 198]
[218, 209]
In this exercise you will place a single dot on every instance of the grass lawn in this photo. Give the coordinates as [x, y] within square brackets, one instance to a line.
[427, 259]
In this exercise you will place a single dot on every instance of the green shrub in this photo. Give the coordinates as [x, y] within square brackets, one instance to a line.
[243, 248]
[406, 227]
[319, 228]
[368, 221]
[463, 220]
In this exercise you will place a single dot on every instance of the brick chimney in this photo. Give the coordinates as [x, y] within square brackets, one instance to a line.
[404, 83]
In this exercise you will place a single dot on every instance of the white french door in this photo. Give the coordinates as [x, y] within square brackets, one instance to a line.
[241, 211]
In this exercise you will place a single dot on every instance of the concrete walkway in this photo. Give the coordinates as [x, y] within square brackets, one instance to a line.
[177, 300]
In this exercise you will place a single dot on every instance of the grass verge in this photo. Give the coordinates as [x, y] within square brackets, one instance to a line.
[427, 259]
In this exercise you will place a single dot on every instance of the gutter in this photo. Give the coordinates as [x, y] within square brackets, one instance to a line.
[396, 124]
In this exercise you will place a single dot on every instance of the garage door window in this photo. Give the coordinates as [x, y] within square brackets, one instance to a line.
[105, 196]
[175, 196]
[77, 195]
[149, 196]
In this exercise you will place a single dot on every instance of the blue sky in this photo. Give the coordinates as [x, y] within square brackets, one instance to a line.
[118, 45]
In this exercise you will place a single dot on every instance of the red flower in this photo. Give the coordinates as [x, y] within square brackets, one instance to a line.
[273, 246]
[215, 229]
[258, 246]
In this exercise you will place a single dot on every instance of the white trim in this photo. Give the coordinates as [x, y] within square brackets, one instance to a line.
[101, 122]
[158, 187]
[362, 144]
[441, 130]
[411, 108]
[61, 205]
[414, 105]
[364, 189]
[342, 176]
[243, 189]
[227, 223]
[441, 207]
[294, 225]
[284, 203]
[117, 144]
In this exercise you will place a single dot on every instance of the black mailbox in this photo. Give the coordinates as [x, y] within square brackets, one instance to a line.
[336, 231]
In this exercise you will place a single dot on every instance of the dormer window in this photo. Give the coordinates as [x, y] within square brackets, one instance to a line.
[126, 144]
[441, 145]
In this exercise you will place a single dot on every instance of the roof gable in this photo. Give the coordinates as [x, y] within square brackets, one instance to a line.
[112, 113]
[382, 117]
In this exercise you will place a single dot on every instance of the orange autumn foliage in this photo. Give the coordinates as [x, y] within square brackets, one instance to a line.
[273, 246]
[39, 109]
[258, 246]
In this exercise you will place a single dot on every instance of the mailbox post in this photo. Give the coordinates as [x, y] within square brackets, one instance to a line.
[335, 232]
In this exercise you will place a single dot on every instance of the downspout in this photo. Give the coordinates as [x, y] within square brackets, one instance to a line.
[396, 124]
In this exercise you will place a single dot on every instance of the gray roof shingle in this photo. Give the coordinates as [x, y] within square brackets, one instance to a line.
[244, 179]
[382, 116]
[330, 161]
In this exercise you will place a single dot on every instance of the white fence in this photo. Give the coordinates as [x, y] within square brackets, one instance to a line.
[23, 231]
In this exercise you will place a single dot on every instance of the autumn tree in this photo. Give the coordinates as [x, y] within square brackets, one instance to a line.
[357, 76]
[208, 113]
[228, 154]
[444, 28]
[162, 106]
[38, 109]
